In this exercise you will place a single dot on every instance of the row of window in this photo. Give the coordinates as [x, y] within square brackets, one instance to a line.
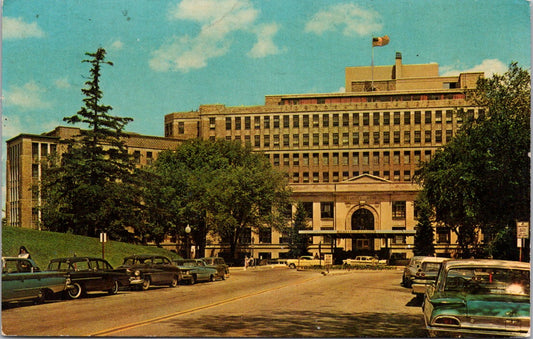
[346, 139]
[335, 176]
[336, 120]
[350, 158]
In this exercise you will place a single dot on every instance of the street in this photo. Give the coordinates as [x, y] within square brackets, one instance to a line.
[258, 302]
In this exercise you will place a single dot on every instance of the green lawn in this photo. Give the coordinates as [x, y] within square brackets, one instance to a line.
[44, 246]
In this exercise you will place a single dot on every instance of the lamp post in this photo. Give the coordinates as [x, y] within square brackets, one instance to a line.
[188, 232]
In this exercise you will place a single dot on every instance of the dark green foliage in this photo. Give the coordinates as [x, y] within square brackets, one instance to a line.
[298, 243]
[219, 187]
[481, 179]
[91, 187]
[424, 230]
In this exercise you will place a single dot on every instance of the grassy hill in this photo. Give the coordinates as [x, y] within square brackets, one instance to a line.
[44, 246]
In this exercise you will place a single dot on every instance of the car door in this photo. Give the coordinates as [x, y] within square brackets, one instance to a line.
[18, 282]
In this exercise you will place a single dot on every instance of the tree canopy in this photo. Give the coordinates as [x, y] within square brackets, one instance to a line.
[91, 186]
[481, 179]
[218, 187]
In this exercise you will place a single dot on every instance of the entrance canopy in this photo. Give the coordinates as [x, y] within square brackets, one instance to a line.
[354, 233]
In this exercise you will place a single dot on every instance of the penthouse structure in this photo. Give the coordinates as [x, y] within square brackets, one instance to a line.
[350, 157]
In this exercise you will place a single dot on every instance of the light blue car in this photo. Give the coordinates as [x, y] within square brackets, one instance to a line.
[23, 280]
[196, 270]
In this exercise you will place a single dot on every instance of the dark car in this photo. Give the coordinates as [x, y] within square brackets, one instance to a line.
[146, 270]
[89, 274]
[23, 280]
[219, 264]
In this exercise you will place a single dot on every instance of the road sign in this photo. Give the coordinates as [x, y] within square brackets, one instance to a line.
[522, 229]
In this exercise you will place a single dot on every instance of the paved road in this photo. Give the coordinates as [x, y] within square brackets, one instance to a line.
[258, 303]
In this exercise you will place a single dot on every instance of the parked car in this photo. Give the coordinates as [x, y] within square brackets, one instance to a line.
[426, 274]
[305, 260]
[89, 274]
[364, 259]
[196, 269]
[146, 270]
[483, 298]
[410, 270]
[219, 264]
[23, 280]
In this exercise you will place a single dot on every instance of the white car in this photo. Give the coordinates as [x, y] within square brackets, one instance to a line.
[305, 260]
[364, 259]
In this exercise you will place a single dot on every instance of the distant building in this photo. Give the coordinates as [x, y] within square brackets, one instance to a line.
[350, 156]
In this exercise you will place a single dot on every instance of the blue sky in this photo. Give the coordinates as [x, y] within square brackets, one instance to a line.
[172, 55]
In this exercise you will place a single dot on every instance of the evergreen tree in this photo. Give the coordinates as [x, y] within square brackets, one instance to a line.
[91, 187]
[424, 231]
[298, 243]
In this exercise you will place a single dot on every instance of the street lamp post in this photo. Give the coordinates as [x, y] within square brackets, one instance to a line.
[188, 232]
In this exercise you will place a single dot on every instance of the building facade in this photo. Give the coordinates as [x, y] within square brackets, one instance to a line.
[350, 157]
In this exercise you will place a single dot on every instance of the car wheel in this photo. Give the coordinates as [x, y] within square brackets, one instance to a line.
[40, 297]
[292, 266]
[146, 283]
[76, 291]
[193, 279]
[114, 289]
[174, 282]
[223, 276]
[211, 278]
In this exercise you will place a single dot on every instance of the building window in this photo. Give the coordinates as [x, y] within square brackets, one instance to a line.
[345, 139]
[375, 158]
[407, 137]
[398, 209]
[305, 139]
[427, 136]
[438, 136]
[238, 123]
[418, 117]
[286, 142]
[316, 160]
[396, 157]
[396, 175]
[355, 119]
[375, 117]
[355, 158]
[406, 157]
[366, 156]
[296, 121]
[325, 120]
[449, 135]
[257, 122]
[427, 117]
[286, 123]
[316, 120]
[228, 124]
[315, 177]
[406, 175]
[407, 118]
[257, 140]
[266, 141]
[396, 137]
[335, 159]
[325, 159]
[295, 177]
[335, 176]
[306, 121]
[399, 239]
[247, 123]
[325, 176]
[418, 136]
[316, 140]
[386, 137]
[335, 120]
[149, 158]
[366, 138]
[438, 117]
[286, 161]
[276, 121]
[212, 123]
[276, 140]
[366, 119]
[137, 157]
[386, 118]
[443, 235]
[449, 116]
[376, 138]
[295, 159]
[345, 119]
[325, 139]
[355, 138]
[265, 235]
[266, 122]
[335, 139]
[386, 157]
[396, 118]
[276, 159]
[305, 177]
[296, 140]
[306, 160]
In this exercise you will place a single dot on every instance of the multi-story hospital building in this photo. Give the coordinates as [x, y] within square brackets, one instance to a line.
[350, 156]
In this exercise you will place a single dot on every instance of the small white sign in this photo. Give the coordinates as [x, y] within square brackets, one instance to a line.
[103, 237]
[522, 229]
[328, 259]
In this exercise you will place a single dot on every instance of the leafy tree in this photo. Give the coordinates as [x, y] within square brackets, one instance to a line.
[219, 187]
[298, 243]
[91, 187]
[480, 181]
[424, 230]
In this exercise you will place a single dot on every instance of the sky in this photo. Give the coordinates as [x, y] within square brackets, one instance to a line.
[175, 55]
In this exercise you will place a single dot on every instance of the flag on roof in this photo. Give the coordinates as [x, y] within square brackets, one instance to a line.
[380, 41]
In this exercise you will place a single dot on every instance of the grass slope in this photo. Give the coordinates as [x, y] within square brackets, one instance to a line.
[44, 246]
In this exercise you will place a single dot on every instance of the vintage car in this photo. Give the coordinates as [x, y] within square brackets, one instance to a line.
[89, 274]
[364, 259]
[219, 264]
[482, 298]
[146, 270]
[304, 261]
[23, 280]
[196, 270]
[426, 274]
[410, 270]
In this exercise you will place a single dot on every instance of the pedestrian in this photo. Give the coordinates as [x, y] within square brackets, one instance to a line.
[245, 262]
[23, 253]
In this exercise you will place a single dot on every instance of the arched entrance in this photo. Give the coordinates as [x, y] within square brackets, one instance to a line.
[363, 219]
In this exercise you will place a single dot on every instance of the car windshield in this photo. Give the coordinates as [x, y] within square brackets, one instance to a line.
[431, 266]
[488, 281]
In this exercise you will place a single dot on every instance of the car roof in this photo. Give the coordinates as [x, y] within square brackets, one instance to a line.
[486, 263]
[144, 256]
[434, 259]
[76, 259]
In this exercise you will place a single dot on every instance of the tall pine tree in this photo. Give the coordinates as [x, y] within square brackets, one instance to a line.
[91, 187]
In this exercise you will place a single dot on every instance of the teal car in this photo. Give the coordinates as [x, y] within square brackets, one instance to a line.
[196, 270]
[486, 298]
[23, 280]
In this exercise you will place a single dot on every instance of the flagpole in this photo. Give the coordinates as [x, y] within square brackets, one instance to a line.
[372, 67]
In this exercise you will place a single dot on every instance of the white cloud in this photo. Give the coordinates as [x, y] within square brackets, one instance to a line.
[489, 66]
[352, 19]
[218, 19]
[16, 28]
[13, 125]
[27, 97]
[117, 45]
[265, 45]
[62, 83]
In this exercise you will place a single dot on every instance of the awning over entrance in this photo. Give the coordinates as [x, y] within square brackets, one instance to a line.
[353, 233]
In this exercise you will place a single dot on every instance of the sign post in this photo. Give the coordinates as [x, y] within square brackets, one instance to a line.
[522, 232]
[103, 240]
